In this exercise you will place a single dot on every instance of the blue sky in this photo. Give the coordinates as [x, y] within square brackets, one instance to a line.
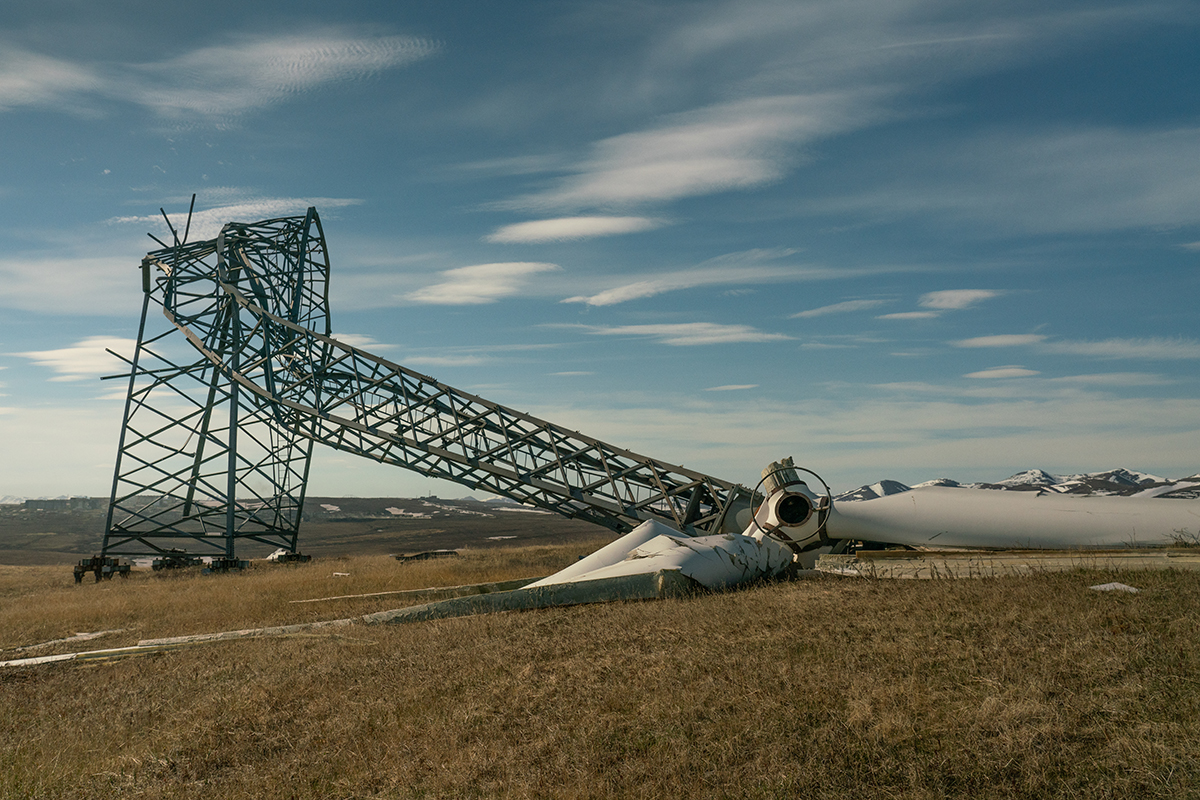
[896, 238]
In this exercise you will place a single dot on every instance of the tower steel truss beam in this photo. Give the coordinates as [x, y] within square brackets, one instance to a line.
[215, 446]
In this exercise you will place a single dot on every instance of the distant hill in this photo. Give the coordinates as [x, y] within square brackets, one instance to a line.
[329, 527]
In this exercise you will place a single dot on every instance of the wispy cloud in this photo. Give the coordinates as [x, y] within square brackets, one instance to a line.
[944, 300]
[215, 83]
[1115, 379]
[248, 207]
[802, 73]
[481, 283]
[32, 79]
[844, 307]
[362, 341]
[1001, 340]
[1155, 349]
[1011, 371]
[722, 147]
[956, 298]
[87, 358]
[910, 315]
[690, 279]
[691, 333]
[732, 387]
[515, 165]
[571, 228]
[252, 72]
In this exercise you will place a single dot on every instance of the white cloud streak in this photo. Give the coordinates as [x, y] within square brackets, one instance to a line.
[1154, 349]
[844, 307]
[910, 315]
[565, 229]
[216, 83]
[362, 341]
[87, 358]
[945, 300]
[737, 145]
[802, 72]
[207, 223]
[955, 299]
[1115, 379]
[690, 279]
[31, 79]
[1011, 371]
[1002, 340]
[480, 283]
[686, 334]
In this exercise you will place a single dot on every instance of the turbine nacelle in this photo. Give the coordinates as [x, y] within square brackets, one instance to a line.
[790, 511]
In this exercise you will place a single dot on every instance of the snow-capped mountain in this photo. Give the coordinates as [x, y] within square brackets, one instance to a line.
[1124, 482]
[939, 482]
[1123, 476]
[881, 489]
[1030, 477]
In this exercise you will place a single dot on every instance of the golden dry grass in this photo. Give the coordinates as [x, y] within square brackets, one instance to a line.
[40, 604]
[1009, 687]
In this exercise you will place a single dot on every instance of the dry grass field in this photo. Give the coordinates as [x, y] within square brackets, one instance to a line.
[1008, 687]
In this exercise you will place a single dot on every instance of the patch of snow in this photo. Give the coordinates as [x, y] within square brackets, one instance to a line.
[453, 509]
[400, 512]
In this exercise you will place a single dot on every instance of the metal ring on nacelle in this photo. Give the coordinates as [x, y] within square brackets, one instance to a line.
[822, 510]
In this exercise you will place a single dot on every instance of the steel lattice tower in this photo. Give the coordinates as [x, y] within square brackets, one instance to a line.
[201, 462]
[228, 395]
